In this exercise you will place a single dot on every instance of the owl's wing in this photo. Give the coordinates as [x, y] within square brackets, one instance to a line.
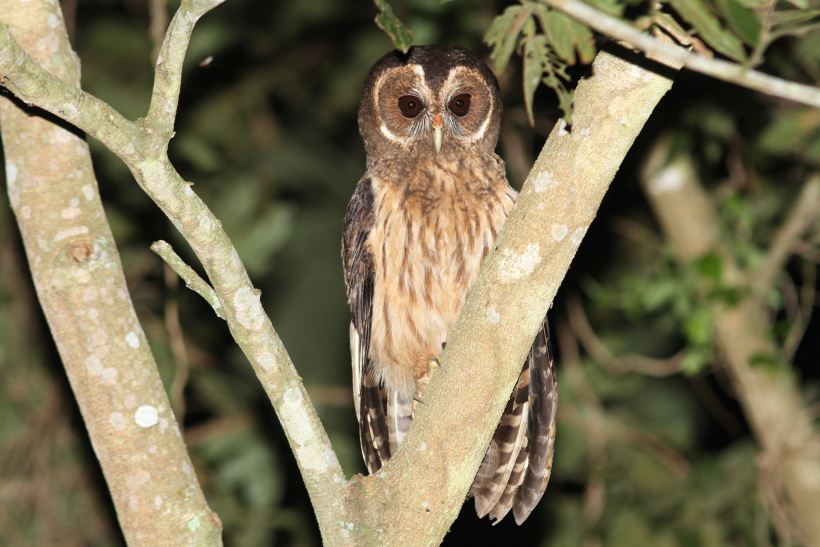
[517, 466]
[358, 270]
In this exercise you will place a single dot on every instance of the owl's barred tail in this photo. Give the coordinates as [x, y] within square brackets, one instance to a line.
[399, 418]
[508, 450]
[518, 463]
[541, 433]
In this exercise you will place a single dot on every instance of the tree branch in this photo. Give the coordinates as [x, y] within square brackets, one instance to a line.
[142, 146]
[618, 365]
[191, 278]
[721, 70]
[167, 76]
[771, 400]
[80, 283]
[803, 215]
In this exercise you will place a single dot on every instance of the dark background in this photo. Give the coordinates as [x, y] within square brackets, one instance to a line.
[267, 132]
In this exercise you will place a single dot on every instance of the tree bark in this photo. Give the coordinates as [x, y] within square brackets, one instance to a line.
[79, 281]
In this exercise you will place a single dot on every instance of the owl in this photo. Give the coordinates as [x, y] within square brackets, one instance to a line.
[423, 217]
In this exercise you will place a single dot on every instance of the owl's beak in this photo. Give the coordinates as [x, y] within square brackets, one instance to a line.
[438, 125]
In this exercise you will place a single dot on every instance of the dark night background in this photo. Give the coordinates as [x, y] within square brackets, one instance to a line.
[267, 132]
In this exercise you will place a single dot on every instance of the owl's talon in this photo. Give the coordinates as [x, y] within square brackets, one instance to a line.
[419, 400]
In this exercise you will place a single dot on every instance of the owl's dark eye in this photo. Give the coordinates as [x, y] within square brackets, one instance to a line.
[410, 106]
[460, 104]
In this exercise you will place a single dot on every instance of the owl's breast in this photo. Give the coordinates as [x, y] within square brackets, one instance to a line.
[429, 237]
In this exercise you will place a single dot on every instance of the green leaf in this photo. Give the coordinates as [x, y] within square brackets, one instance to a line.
[790, 132]
[765, 361]
[711, 266]
[697, 14]
[659, 293]
[698, 327]
[800, 4]
[566, 35]
[502, 35]
[793, 17]
[584, 43]
[401, 36]
[695, 360]
[741, 20]
[558, 29]
[564, 95]
[533, 70]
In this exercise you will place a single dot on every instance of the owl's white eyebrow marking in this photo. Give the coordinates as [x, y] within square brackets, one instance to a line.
[452, 74]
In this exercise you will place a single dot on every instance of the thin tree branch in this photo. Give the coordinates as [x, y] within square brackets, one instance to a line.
[191, 278]
[27, 80]
[618, 365]
[803, 215]
[167, 80]
[721, 70]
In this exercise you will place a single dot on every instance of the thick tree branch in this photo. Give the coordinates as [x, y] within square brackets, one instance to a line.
[81, 287]
[721, 70]
[771, 400]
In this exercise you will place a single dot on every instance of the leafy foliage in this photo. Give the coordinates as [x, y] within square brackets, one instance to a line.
[739, 30]
[393, 27]
[547, 53]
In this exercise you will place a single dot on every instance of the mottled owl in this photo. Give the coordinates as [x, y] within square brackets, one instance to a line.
[423, 217]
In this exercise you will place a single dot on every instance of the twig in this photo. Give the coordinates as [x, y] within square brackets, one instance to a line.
[764, 36]
[599, 426]
[177, 339]
[804, 213]
[805, 309]
[191, 278]
[159, 21]
[618, 365]
[722, 70]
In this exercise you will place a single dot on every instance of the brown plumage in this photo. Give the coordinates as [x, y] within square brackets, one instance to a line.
[422, 218]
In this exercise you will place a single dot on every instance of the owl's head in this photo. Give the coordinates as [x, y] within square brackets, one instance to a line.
[433, 99]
